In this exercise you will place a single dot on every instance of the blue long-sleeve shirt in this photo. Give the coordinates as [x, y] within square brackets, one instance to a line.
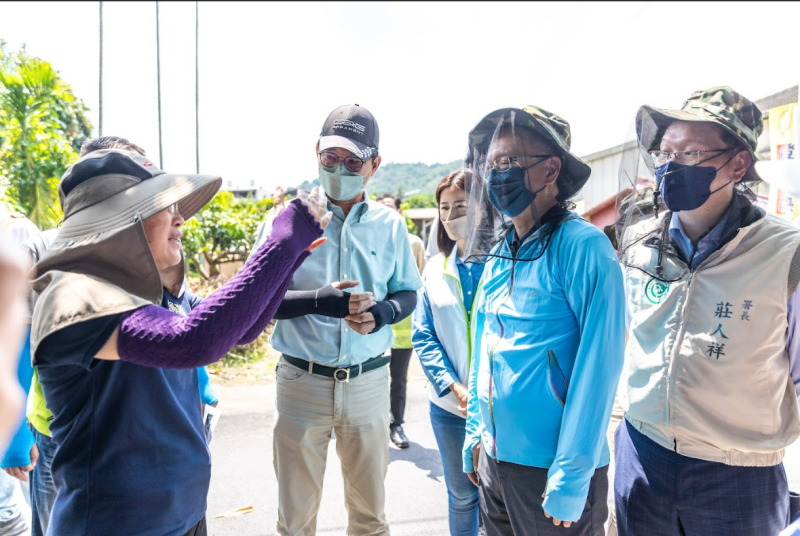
[18, 452]
[547, 354]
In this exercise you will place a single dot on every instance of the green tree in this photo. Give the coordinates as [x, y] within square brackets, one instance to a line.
[42, 126]
[426, 200]
[395, 177]
[222, 232]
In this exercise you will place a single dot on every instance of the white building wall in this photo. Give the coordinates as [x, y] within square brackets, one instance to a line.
[604, 182]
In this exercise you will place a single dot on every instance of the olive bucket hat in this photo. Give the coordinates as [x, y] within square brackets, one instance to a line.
[574, 171]
[720, 105]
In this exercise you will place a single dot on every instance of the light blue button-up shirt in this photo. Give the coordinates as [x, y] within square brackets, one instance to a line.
[371, 246]
[707, 245]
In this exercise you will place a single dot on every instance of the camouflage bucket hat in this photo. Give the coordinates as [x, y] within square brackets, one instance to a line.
[574, 171]
[720, 105]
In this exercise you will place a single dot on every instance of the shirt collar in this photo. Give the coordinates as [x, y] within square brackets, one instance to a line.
[738, 214]
[359, 208]
[181, 291]
[515, 242]
[710, 241]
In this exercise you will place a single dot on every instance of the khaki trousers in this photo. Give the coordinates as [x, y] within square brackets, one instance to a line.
[307, 408]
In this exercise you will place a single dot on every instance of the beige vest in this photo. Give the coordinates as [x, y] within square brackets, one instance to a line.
[707, 371]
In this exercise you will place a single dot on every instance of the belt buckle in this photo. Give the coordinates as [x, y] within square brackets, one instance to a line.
[346, 372]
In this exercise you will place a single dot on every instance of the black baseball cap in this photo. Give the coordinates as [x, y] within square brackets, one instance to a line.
[353, 128]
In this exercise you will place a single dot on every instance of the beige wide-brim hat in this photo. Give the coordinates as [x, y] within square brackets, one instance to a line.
[109, 190]
[106, 197]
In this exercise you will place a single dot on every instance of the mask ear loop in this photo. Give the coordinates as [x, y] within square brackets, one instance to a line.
[720, 167]
[537, 218]
[657, 191]
[664, 234]
[718, 189]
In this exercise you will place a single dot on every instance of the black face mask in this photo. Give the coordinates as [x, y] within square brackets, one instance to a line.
[507, 190]
[686, 187]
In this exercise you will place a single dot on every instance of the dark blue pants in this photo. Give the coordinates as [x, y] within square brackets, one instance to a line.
[661, 493]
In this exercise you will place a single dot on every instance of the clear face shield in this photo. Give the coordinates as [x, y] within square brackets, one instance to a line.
[507, 163]
[642, 228]
[674, 161]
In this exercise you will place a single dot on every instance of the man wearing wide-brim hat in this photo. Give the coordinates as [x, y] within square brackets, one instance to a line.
[709, 390]
[117, 370]
[548, 333]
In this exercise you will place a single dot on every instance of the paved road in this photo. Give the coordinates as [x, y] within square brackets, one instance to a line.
[416, 504]
[242, 472]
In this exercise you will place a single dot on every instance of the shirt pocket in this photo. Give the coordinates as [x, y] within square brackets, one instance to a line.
[558, 381]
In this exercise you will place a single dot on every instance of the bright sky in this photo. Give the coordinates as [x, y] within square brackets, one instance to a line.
[270, 73]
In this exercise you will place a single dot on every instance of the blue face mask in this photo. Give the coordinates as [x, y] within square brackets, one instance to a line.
[341, 184]
[686, 187]
[507, 191]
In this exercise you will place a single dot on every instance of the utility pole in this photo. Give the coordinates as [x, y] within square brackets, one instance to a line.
[158, 69]
[100, 106]
[197, 85]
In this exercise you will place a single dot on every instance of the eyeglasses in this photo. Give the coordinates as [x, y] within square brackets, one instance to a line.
[173, 208]
[689, 158]
[506, 161]
[330, 159]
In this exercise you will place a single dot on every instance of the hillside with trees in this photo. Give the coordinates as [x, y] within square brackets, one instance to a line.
[421, 179]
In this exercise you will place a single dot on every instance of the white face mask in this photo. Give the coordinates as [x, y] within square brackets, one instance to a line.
[343, 185]
[456, 229]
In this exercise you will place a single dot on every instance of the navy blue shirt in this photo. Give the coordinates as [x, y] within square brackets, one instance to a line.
[131, 455]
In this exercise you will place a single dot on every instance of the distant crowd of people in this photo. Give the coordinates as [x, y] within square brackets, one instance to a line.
[552, 348]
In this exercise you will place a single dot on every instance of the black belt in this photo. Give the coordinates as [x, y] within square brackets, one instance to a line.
[339, 374]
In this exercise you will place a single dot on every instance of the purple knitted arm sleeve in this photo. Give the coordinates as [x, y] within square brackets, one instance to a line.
[156, 337]
[263, 321]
